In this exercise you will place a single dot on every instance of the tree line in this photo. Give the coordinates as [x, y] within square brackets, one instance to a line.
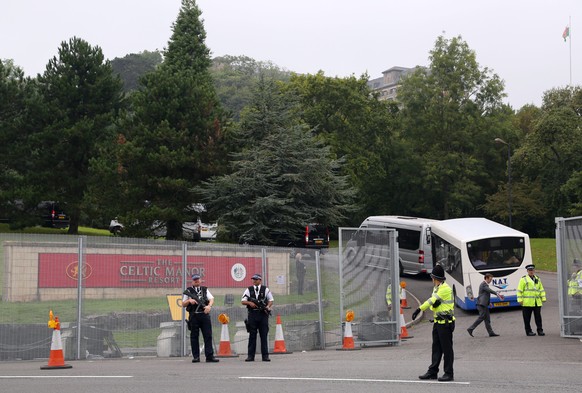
[149, 137]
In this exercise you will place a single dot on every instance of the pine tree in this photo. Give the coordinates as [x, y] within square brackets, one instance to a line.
[282, 179]
[173, 141]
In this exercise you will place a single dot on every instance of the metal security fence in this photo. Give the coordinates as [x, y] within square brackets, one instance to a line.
[369, 283]
[569, 257]
[121, 297]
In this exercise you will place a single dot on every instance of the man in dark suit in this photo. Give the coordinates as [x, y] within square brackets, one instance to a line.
[483, 301]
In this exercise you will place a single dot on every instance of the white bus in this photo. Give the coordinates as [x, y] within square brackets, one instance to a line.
[467, 248]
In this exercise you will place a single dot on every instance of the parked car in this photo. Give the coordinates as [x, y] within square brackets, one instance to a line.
[115, 227]
[208, 231]
[52, 215]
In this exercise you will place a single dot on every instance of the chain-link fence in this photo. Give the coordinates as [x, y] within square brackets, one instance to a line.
[119, 297]
[569, 256]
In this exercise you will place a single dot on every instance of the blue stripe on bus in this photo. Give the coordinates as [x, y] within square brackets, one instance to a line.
[468, 304]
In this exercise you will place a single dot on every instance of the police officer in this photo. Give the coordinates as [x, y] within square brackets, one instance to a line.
[575, 296]
[198, 302]
[442, 304]
[258, 317]
[531, 295]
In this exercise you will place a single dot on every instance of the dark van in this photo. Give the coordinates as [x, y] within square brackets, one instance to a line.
[312, 235]
[52, 215]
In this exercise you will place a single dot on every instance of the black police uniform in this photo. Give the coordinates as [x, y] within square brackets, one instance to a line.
[199, 321]
[258, 320]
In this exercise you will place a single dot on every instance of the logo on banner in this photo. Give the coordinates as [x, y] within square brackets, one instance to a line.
[238, 272]
[73, 270]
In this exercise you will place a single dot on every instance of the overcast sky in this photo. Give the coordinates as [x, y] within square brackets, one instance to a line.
[520, 40]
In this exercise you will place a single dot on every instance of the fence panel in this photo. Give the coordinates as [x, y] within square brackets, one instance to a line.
[121, 297]
[368, 281]
[569, 258]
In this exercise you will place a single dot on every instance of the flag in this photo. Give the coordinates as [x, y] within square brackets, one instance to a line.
[566, 33]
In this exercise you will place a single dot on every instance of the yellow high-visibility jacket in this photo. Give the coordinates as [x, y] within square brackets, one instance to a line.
[443, 312]
[530, 293]
[575, 284]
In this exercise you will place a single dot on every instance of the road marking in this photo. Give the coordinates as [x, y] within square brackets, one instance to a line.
[354, 380]
[63, 376]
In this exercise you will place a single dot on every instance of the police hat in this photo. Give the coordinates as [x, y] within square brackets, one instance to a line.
[576, 262]
[195, 276]
[438, 273]
[530, 267]
[256, 277]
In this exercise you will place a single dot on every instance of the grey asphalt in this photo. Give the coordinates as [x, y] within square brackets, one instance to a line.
[509, 363]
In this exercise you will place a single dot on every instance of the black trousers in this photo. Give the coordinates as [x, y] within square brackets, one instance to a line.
[442, 347]
[484, 316]
[258, 322]
[300, 280]
[201, 322]
[537, 312]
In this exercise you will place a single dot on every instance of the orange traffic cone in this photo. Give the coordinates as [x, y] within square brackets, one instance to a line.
[224, 350]
[348, 344]
[56, 357]
[279, 339]
[403, 331]
[403, 300]
[348, 337]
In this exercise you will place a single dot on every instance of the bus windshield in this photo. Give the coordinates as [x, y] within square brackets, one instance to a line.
[496, 252]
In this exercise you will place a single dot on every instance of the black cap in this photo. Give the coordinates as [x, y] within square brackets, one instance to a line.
[438, 273]
[576, 262]
[530, 267]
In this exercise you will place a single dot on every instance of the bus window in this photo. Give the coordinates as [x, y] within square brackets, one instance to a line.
[496, 252]
[448, 256]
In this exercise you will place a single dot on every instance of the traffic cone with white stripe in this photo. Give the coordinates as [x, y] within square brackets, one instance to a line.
[403, 331]
[56, 357]
[224, 350]
[348, 341]
[279, 339]
[403, 300]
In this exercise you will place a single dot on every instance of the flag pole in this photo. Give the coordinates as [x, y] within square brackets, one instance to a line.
[570, 36]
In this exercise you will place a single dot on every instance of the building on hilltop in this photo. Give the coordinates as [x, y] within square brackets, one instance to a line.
[387, 85]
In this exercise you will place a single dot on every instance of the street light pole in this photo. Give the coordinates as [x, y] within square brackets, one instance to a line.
[499, 140]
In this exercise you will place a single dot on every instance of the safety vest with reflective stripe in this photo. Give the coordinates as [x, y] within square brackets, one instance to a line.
[443, 312]
[530, 294]
[575, 284]
[389, 295]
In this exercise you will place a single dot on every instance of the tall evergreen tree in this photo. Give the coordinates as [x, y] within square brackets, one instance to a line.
[282, 179]
[173, 140]
[15, 91]
[79, 101]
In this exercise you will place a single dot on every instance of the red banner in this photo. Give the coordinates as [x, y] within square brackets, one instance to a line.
[143, 271]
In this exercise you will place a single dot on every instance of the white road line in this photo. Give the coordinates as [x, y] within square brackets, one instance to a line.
[354, 380]
[62, 376]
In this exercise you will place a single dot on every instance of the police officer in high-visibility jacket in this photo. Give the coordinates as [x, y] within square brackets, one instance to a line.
[442, 305]
[575, 296]
[575, 281]
[531, 295]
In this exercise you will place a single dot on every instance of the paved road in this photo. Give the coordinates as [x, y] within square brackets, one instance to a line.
[509, 363]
